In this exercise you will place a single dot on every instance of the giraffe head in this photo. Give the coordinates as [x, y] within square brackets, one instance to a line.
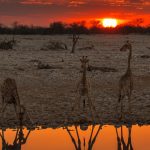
[126, 46]
[84, 61]
[84, 127]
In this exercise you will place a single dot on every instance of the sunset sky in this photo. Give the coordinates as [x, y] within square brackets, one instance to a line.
[42, 12]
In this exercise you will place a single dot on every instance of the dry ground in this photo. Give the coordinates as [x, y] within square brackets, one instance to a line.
[49, 94]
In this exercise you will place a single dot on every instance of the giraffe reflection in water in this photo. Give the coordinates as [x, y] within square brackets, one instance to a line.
[78, 144]
[122, 145]
[20, 138]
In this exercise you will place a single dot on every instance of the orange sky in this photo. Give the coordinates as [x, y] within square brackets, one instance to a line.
[41, 12]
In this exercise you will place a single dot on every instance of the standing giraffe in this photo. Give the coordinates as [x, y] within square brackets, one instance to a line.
[78, 144]
[126, 80]
[10, 95]
[83, 88]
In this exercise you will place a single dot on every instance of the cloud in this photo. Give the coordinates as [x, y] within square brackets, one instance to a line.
[36, 2]
[79, 2]
[38, 11]
[76, 3]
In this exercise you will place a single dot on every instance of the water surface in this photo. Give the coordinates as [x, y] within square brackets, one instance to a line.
[105, 137]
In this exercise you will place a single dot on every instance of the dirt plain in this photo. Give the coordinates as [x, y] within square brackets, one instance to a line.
[48, 94]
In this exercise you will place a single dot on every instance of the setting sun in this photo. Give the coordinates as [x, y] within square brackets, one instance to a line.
[109, 22]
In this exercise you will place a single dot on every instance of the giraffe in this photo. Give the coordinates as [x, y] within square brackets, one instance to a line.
[77, 144]
[126, 80]
[20, 139]
[83, 88]
[10, 95]
[122, 145]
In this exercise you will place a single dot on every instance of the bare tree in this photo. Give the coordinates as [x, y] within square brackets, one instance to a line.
[75, 39]
[75, 30]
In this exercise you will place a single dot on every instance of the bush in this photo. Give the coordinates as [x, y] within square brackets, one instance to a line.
[6, 45]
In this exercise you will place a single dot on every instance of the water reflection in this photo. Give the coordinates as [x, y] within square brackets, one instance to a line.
[77, 137]
[78, 144]
[122, 145]
[19, 140]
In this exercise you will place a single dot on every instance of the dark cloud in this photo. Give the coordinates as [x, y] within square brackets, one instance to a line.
[36, 11]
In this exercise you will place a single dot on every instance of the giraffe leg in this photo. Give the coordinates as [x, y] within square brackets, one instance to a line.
[120, 93]
[84, 103]
[3, 107]
[90, 106]
[119, 96]
[120, 99]
[3, 100]
[77, 102]
[17, 113]
[15, 140]
[90, 102]
[129, 103]
[93, 107]
[77, 99]
[2, 136]
[129, 92]
[121, 111]
[29, 116]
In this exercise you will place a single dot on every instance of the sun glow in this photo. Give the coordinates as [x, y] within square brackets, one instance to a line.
[109, 23]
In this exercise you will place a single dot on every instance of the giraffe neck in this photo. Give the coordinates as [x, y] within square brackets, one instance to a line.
[129, 60]
[84, 76]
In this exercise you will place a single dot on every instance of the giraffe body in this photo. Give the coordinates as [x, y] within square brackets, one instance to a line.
[10, 95]
[126, 81]
[83, 89]
[9, 92]
[125, 85]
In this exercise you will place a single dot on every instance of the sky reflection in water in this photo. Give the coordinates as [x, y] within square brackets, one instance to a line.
[76, 138]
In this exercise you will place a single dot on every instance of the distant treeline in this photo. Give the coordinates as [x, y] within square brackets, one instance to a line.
[77, 28]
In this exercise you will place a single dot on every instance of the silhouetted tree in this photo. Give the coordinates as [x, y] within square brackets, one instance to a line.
[137, 22]
[76, 28]
[57, 28]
